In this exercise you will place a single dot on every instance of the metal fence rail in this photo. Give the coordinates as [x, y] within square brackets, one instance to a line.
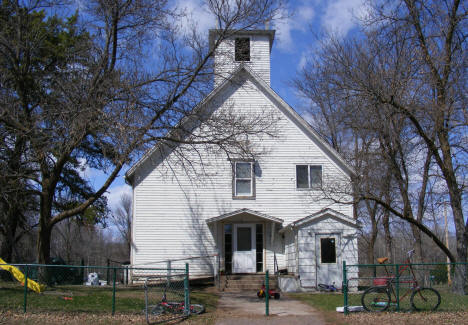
[79, 288]
[398, 287]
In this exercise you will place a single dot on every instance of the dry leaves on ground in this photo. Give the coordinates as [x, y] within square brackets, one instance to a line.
[8, 317]
[445, 318]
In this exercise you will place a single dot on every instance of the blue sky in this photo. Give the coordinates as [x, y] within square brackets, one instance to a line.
[295, 41]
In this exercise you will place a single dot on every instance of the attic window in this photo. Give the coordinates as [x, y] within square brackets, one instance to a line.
[242, 49]
[309, 177]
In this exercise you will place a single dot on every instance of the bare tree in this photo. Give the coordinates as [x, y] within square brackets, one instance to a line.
[437, 111]
[404, 83]
[122, 219]
[100, 98]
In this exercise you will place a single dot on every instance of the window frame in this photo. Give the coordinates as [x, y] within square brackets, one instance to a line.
[235, 48]
[309, 187]
[252, 195]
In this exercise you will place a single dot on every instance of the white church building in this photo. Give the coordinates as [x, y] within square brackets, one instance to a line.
[260, 214]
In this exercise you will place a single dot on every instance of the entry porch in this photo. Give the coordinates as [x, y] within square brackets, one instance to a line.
[248, 242]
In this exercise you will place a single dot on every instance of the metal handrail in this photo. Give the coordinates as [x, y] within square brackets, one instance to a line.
[177, 259]
[91, 266]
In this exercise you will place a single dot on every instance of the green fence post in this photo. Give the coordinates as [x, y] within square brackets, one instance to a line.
[113, 292]
[82, 271]
[108, 270]
[26, 274]
[345, 289]
[186, 290]
[267, 294]
[397, 285]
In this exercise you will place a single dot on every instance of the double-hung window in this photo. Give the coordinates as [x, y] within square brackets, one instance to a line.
[309, 176]
[243, 184]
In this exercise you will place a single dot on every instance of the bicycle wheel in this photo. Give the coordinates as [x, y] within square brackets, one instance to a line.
[196, 309]
[156, 309]
[322, 287]
[376, 299]
[175, 307]
[424, 299]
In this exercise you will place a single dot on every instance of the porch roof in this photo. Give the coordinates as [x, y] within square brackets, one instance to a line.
[244, 211]
[327, 212]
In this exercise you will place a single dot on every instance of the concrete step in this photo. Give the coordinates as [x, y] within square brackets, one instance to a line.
[246, 282]
[251, 291]
[251, 281]
[258, 284]
[246, 276]
[245, 287]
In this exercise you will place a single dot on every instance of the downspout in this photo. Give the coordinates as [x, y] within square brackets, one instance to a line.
[296, 246]
[132, 236]
[272, 241]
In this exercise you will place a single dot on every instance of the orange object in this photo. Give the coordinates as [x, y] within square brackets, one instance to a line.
[382, 260]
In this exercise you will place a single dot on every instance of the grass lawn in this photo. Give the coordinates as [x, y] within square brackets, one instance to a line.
[452, 310]
[82, 304]
[74, 298]
[321, 301]
[328, 302]
[450, 302]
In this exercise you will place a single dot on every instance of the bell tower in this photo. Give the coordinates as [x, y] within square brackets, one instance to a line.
[249, 47]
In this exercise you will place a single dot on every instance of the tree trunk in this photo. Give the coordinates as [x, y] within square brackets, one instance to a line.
[460, 280]
[13, 199]
[6, 251]
[388, 236]
[45, 229]
[461, 232]
[43, 245]
[373, 237]
[43, 251]
[370, 249]
[418, 249]
[49, 183]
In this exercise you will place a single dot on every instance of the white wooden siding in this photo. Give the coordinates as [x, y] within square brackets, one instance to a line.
[171, 202]
[290, 251]
[346, 250]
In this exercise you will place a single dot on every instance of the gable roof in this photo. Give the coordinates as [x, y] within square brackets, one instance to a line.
[241, 211]
[322, 213]
[293, 115]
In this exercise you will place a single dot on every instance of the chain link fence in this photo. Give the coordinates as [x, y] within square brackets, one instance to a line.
[404, 287]
[166, 298]
[94, 289]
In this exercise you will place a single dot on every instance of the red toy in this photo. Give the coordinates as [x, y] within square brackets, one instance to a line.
[272, 293]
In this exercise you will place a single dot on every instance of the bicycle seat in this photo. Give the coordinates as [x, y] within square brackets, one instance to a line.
[382, 260]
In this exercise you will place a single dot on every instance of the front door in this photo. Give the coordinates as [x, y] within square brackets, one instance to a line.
[243, 253]
[328, 255]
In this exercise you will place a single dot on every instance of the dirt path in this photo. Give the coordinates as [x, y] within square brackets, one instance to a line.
[246, 308]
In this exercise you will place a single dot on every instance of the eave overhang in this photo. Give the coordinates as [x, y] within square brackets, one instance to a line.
[318, 215]
[227, 216]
